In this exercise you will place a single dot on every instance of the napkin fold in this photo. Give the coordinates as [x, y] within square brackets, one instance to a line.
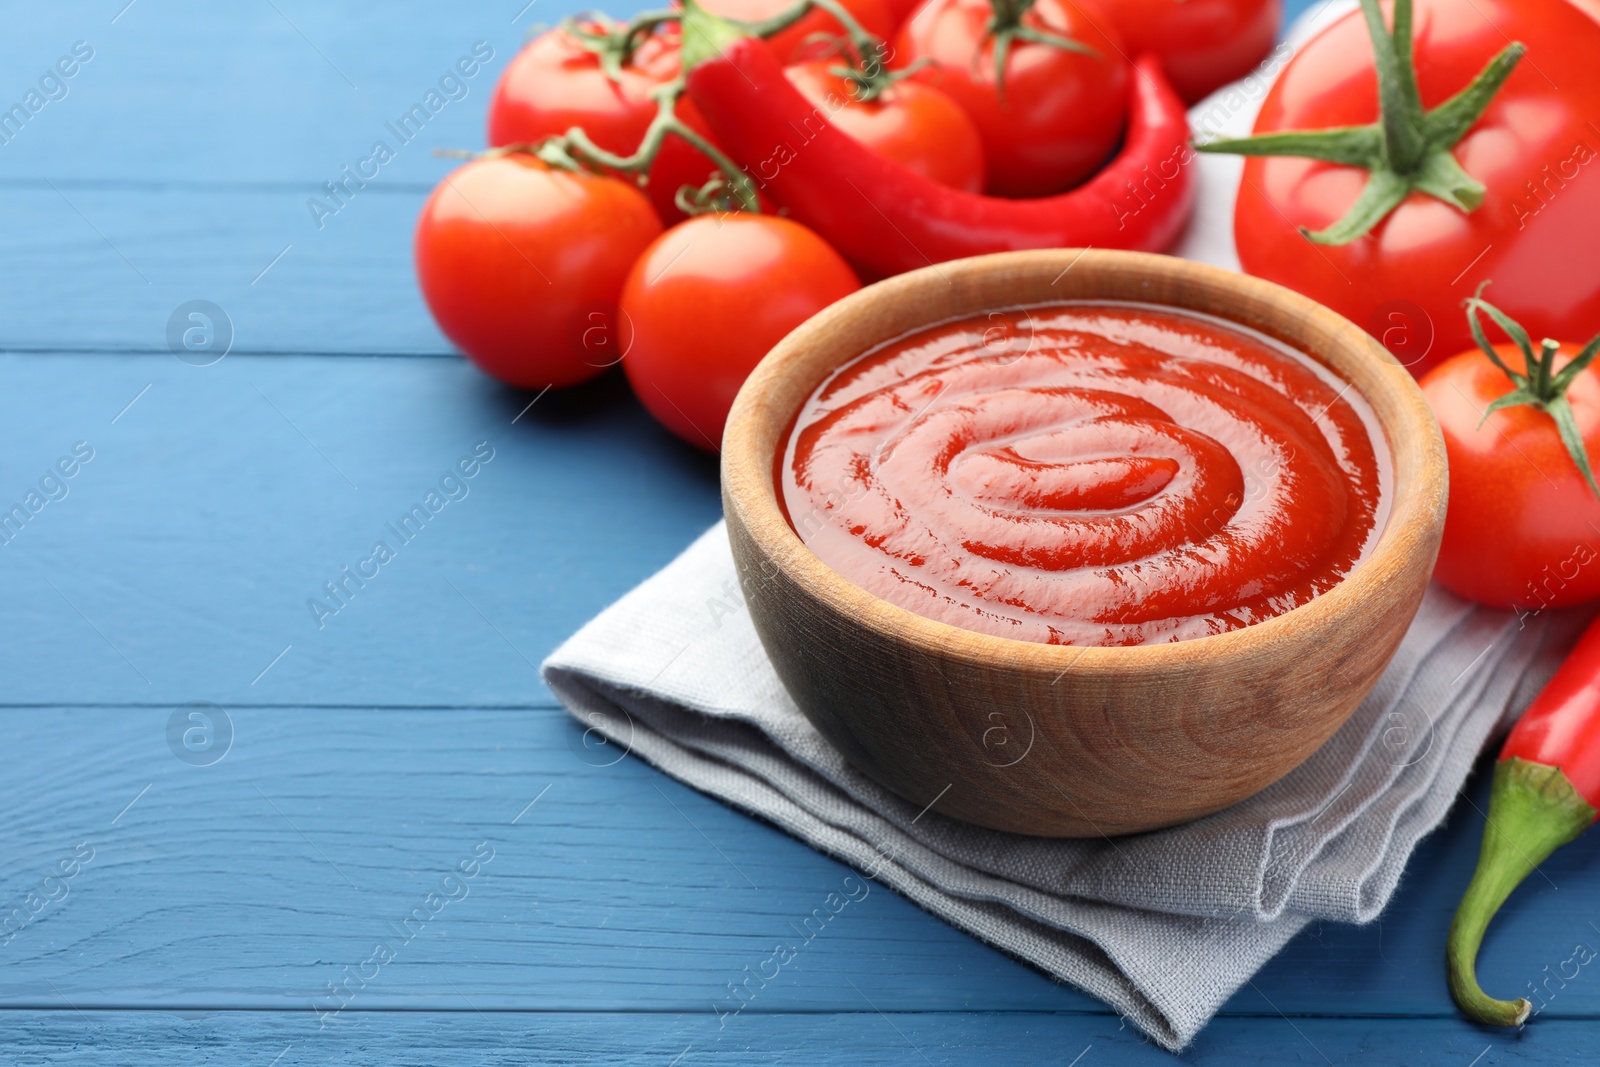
[1162, 926]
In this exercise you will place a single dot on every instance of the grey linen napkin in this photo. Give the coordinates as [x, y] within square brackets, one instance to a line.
[1163, 926]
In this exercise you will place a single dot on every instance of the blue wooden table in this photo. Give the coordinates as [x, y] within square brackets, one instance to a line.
[219, 805]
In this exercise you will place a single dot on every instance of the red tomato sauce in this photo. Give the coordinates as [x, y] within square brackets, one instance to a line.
[1090, 474]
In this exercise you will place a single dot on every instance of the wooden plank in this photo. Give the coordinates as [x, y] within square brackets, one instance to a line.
[257, 880]
[183, 158]
[180, 563]
[190, 94]
[864, 1037]
[86, 266]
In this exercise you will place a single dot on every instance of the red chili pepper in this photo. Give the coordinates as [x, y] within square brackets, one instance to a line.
[1546, 791]
[886, 218]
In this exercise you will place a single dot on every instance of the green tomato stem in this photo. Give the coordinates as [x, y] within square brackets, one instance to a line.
[615, 43]
[1408, 149]
[1539, 384]
[1005, 27]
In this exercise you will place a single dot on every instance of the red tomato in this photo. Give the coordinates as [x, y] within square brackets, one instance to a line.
[1534, 149]
[793, 45]
[1523, 527]
[521, 266]
[913, 123]
[1203, 44]
[555, 84]
[708, 299]
[900, 10]
[1063, 111]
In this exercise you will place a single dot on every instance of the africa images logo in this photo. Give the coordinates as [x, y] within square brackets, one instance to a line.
[453, 486]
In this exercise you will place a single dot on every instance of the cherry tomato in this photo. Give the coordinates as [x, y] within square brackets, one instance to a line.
[555, 83]
[1533, 148]
[910, 122]
[521, 266]
[1522, 529]
[708, 299]
[1063, 111]
[795, 43]
[1203, 44]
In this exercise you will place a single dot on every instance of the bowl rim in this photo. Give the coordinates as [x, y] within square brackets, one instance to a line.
[749, 487]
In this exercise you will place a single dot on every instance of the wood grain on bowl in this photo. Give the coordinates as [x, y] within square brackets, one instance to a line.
[1063, 740]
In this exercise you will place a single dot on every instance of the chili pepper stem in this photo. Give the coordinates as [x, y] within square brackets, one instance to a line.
[705, 35]
[1533, 810]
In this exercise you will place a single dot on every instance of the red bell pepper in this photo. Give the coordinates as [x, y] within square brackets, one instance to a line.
[1546, 792]
[885, 217]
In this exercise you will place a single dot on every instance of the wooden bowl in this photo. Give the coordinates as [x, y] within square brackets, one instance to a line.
[1056, 740]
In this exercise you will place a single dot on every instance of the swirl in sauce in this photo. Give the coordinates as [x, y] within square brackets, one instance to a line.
[1092, 474]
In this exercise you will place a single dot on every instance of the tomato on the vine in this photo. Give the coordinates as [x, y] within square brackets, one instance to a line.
[1203, 44]
[907, 121]
[679, 163]
[807, 38]
[708, 299]
[1059, 112]
[519, 262]
[1406, 216]
[1522, 529]
[556, 83]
